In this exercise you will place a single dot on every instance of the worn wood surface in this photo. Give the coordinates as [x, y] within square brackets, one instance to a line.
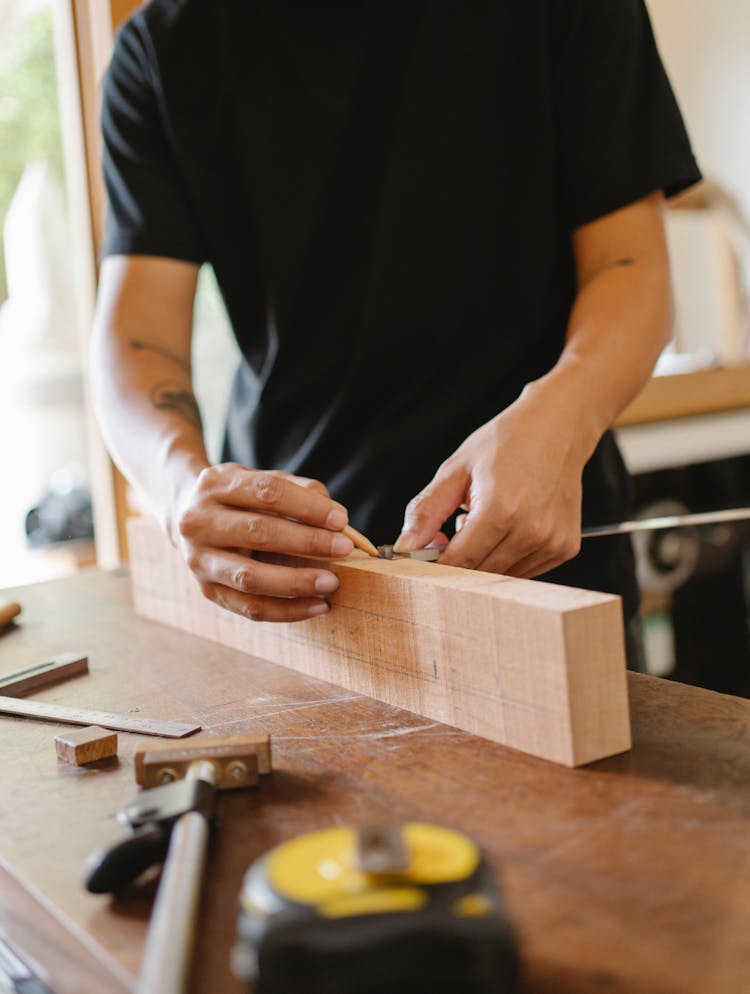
[630, 876]
[532, 665]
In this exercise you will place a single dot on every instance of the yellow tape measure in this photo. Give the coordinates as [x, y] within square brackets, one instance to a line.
[365, 910]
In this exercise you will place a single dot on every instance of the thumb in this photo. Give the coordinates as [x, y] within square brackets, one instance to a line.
[427, 511]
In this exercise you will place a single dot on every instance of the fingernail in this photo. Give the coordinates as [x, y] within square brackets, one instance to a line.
[405, 542]
[321, 608]
[338, 518]
[341, 545]
[326, 583]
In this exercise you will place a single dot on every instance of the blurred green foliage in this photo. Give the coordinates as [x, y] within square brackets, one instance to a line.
[29, 121]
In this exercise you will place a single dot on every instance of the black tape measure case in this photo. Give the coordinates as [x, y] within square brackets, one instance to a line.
[409, 909]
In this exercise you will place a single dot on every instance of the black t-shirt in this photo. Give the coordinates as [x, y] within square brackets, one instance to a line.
[386, 192]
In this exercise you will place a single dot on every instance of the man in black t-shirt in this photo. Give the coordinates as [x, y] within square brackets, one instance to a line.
[438, 231]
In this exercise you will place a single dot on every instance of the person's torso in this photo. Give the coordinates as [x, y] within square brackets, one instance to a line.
[377, 191]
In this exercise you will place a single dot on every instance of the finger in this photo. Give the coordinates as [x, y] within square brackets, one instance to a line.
[426, 512]
[532, 570]
[525, 568]
[254, 532]
[439, 541]
[306, 482]
[460, 522]
[479, 537]
[538, 563]
[260, 608]
[518, 547]
[252, 576]
[551, 552]
[255, 490]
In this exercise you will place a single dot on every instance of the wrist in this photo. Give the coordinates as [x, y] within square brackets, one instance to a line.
[181, 469]
[566, 394]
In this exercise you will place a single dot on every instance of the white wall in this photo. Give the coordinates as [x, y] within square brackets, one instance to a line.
[705, 45]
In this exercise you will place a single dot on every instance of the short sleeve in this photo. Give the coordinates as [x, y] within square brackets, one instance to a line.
[621, 132]
[148, 210]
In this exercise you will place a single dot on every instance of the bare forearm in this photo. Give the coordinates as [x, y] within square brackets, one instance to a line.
[619, 325]
[150, 420]
[621, 319]
[142, 387]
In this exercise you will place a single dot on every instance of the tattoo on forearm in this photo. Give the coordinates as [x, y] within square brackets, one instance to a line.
[170, 396]
[159, 350]
[605, 268]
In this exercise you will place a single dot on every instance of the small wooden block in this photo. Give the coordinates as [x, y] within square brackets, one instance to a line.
[225, 752]
[8, 611]
[86, 745]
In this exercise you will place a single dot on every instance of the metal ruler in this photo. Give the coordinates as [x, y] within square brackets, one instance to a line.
[670, 521]
[43, 711]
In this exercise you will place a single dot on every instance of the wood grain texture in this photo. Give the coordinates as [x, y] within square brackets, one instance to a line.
[532, 665]
[39, 675]
[630, 876]
[86, 745]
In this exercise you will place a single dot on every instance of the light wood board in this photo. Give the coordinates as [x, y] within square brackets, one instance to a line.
[532, 665]
[687, 395]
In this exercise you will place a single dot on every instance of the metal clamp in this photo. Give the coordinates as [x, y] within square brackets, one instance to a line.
[149, 821]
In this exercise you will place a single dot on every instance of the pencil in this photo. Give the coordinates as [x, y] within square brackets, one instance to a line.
[9, 610]
[360, 542]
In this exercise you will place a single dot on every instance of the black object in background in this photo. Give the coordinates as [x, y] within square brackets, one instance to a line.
[710, 615]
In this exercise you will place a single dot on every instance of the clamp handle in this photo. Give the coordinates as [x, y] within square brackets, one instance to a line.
[149, 820]
[111, 870]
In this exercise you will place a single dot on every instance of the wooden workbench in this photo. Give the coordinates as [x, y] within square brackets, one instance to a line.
[630, 875]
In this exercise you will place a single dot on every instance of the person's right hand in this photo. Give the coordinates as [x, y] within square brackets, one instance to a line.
[232, 512]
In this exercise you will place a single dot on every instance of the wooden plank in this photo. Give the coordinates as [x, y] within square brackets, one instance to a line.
[686, 395]
[84, 33]
[95, 24]
[532, 665]
[40, 675]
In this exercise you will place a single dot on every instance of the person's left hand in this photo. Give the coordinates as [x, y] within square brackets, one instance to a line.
[518, 477]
